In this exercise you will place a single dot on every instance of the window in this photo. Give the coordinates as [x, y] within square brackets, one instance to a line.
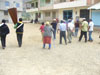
[47, 1]
[32, 5]
[36, 4]
[47, 14]
[39, 15]
[62, 0]
[5, 12]
[17, 5]
[67, 14]
[7, 3]
[71, 0]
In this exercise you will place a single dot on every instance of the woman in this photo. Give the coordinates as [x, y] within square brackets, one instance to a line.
[47, 35]
[4, 30]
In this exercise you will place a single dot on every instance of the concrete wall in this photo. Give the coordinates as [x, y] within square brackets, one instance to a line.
[77, 3]
[3, 7]
[76, 12]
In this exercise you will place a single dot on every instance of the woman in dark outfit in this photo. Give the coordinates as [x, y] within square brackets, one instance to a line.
[4, 30]
[19, 31]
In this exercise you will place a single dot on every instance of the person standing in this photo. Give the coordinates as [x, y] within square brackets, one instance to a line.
[91, 26]
[19, 31]
[70, 30]
[47, 35]
[76, 27]
[54, 26]
[4, 30]
[84, 29]
[62, 29]
[42, 29]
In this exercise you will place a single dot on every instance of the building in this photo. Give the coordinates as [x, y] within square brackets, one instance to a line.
[61, 9]
[95, 13]
[6, 4]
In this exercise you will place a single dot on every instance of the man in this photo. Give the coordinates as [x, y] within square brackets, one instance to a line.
[62, 28]
[19, 31]
[84, 29]
[54, 26]
[4, 30]
[91, 26]
[70, 30]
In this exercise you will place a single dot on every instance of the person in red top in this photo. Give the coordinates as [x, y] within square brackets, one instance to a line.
[42, 29]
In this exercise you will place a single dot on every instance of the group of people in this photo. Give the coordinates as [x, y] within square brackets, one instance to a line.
[70, 27]
[48, 28]
[4, 31]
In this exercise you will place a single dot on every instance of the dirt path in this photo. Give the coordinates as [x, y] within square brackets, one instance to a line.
[78, 58]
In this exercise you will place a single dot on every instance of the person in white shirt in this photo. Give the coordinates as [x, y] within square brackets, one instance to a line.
[62, 28]
[70, 30]
[91, 26]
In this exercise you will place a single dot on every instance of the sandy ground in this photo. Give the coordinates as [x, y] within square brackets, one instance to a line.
[78, 58]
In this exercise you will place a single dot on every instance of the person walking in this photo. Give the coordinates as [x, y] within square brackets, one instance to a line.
[84, 29]
[47, 35]
[42, 29]
[70, 30]
[76, 27]
[91, 26]
[19, 31]
[54, 26]
[4, 30]
[62, 29]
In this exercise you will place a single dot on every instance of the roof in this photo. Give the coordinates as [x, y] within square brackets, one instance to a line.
[96, 6]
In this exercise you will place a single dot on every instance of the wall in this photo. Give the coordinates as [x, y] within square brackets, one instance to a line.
[76, 12]
[96, 17]
[77, 3]
[2, 4]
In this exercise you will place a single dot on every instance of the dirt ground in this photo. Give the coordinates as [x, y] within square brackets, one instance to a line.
[77, 58]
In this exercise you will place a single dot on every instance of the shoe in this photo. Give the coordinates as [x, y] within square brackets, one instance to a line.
[69, 42]
[3, 47]
[91, 40]
[43, 47]
[60, 43]
[79, 40]
[49, 48]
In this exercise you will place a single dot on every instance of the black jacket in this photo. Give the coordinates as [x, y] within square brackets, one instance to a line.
[4, 30]
[20, 29]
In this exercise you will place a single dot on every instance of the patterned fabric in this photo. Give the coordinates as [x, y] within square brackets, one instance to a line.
[47, 40]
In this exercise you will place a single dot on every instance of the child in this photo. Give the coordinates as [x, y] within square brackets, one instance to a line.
[42, 29]
[47, 35]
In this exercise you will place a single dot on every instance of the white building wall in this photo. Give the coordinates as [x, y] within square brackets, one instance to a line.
[77, 3]
[3, 7]
[76, 12]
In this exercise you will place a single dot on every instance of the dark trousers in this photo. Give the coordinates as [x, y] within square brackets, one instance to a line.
[54, 34]
[63, 34]
[3, 40]
[85, 35]
[19, 39]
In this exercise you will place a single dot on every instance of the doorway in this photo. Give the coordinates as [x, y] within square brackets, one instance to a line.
[67, 14]
[84, 13]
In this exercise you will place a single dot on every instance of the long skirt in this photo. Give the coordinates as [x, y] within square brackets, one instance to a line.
[47, 40]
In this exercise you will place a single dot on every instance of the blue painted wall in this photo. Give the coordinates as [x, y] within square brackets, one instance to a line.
[96, 17]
